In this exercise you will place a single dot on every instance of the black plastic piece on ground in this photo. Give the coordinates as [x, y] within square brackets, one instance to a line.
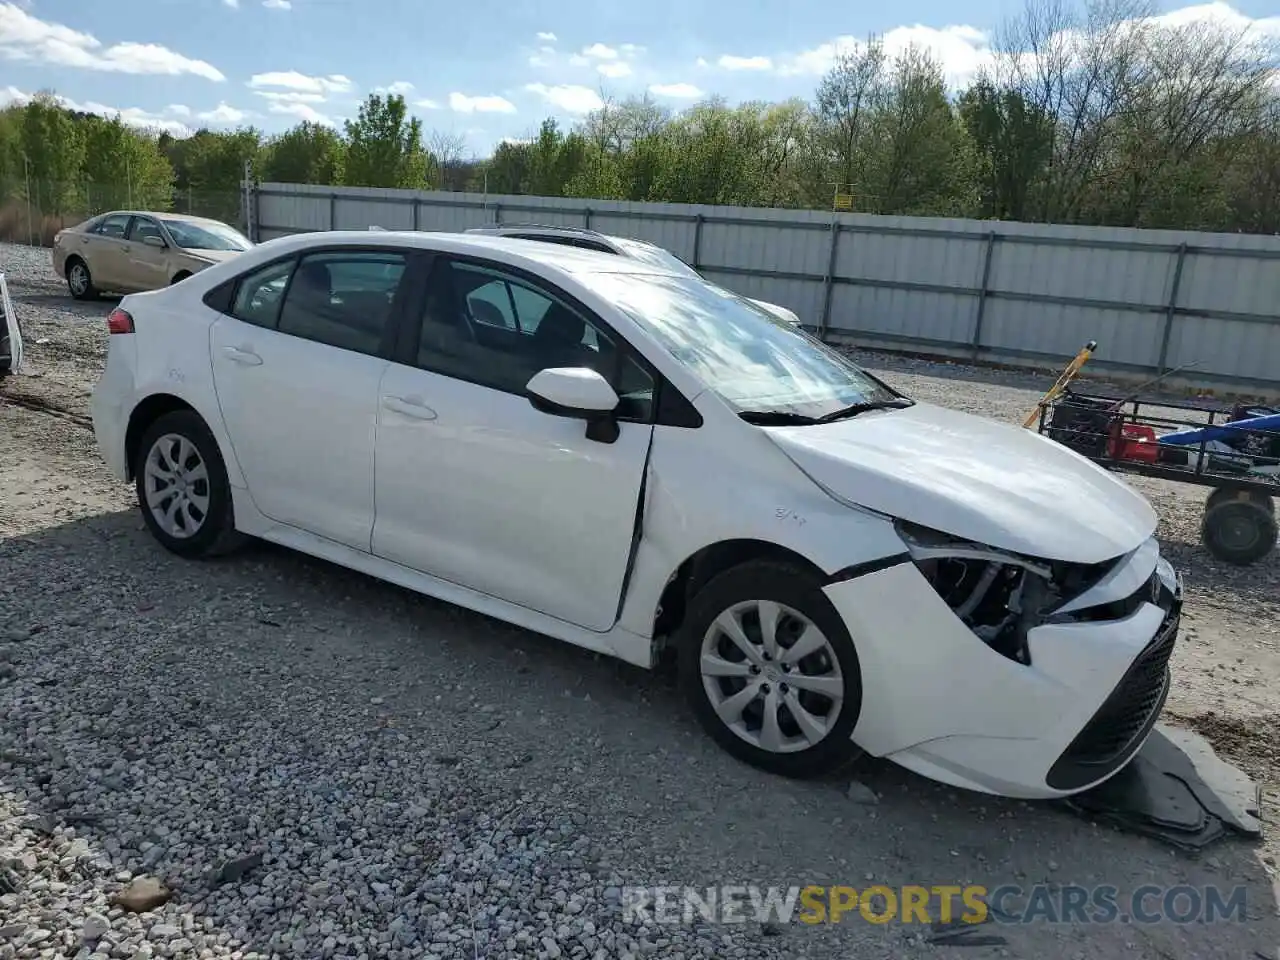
[1176, 789]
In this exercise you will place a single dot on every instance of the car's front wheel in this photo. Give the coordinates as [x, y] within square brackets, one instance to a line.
[770, 670]
[182, 487]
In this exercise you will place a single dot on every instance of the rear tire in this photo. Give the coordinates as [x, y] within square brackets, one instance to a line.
[1225, 494]
[1240, 531]
[804, 672]
[80, 280]
[183, 493]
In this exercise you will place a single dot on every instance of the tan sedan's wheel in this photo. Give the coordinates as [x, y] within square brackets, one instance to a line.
[80, 280]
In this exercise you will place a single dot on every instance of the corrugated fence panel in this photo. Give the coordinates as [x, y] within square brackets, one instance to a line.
[1153, 299]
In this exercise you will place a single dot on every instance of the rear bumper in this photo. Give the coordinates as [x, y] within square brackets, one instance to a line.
[939, 702]
[112, 404]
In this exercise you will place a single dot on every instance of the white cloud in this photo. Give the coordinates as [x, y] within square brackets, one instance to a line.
[292, 80]
[547, 36]
[290, 96]
[10, 95]
[178, 110]
[678, 91]
[462, 103]
[543, 57]
[401, 87]
[133, 116]
[570, 98]
[24, 37]
[302, 111]
[516, 141]
[730, 62]
[277, 4]
[598, 51]
[233, 4]
[963, 50]
[702, 63]
[426, 104]
[223, 114]
[615, 69]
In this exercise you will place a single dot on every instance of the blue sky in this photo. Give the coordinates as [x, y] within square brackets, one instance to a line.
[485, 69]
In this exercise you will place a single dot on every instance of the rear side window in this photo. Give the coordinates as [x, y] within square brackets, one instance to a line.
[260, 294]
[343, 299]
[113, 226]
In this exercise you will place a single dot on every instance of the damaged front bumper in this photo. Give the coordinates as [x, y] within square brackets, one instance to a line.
[1046, 708]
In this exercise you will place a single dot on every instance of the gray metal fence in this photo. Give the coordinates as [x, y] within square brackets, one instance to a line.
[1018, 293]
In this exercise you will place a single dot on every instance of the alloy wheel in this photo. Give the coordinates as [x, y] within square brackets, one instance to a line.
[177, 486]
[79, 279]
[772, 676]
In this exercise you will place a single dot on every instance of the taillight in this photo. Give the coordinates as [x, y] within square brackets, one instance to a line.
[119, 321]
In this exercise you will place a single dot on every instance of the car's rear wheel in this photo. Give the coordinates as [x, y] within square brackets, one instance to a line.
[182, 487]
[80, 280]
[770, 670]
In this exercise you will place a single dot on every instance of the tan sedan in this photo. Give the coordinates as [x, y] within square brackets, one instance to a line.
[128, 251]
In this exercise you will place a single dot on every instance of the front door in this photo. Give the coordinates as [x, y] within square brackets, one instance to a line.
[477, 487]
[147, 264]
[297, 367]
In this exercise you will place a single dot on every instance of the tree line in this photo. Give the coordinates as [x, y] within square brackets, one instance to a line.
[1117, 117]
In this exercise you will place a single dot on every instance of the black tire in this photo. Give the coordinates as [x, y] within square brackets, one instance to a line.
[1225, 494]
[86, 292]
[179, 277]
[782, 583]
[215, 533]
[1239, 531]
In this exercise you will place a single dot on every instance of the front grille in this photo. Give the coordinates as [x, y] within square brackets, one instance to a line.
[1111, 736]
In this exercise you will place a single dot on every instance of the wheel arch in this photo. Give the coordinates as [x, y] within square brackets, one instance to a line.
[147, 412]
[709, 561]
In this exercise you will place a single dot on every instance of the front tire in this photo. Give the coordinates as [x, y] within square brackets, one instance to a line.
[182, 487]
[80, 280]
[770, 670]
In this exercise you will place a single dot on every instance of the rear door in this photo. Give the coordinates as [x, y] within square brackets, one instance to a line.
[297, 366]
[106, 250]
[10, 334]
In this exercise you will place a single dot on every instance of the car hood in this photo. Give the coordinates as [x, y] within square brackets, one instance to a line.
[971, 477]
[782, 313]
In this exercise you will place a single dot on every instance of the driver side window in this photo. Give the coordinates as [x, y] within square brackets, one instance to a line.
[496, 330]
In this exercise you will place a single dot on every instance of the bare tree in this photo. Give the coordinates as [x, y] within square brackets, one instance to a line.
[846, 103]
[447, 150]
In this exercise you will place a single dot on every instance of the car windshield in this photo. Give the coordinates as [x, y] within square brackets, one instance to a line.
[756, 362]
[206, 236]
[654, 256]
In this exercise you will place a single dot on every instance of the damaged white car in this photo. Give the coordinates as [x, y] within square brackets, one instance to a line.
[632, 460]
[10, 334]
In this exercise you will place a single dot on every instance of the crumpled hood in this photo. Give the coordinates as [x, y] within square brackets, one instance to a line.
[971, 477]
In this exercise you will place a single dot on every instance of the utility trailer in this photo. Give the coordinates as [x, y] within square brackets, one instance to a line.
[1234, 451]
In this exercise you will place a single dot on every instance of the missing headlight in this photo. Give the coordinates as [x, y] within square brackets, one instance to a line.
[997, 594]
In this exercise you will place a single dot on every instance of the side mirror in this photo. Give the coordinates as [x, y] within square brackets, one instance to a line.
[578, 393]
[154, 241]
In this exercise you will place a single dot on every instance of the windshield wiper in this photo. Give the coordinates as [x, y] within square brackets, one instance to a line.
[897, 403]
[775, 418]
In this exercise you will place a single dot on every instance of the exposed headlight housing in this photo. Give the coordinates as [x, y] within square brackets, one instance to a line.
[998, 594]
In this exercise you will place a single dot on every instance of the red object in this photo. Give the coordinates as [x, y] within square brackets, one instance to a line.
[119, 321]
[1133, 441]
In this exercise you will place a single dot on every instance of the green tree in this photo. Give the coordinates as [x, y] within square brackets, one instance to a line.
[384, 145]
[123, 167]
[309, 153]
[54, 153]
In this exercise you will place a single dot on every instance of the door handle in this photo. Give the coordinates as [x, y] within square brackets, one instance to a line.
[246, 357]
[410, 407]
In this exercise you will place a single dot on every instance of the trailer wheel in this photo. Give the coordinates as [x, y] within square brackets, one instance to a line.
[1240, 531]
[1226, 495]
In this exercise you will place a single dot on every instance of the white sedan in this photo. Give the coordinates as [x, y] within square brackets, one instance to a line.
[630, 459]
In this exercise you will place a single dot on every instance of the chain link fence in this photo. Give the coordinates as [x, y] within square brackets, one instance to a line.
[32, 212]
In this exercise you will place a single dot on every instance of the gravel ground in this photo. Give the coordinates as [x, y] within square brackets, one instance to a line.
[312, 763]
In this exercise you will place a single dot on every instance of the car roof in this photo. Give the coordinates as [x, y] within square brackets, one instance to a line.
[157, 214]
[568, 260]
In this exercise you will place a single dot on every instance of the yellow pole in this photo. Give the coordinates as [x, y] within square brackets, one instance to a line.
[1067, 376]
